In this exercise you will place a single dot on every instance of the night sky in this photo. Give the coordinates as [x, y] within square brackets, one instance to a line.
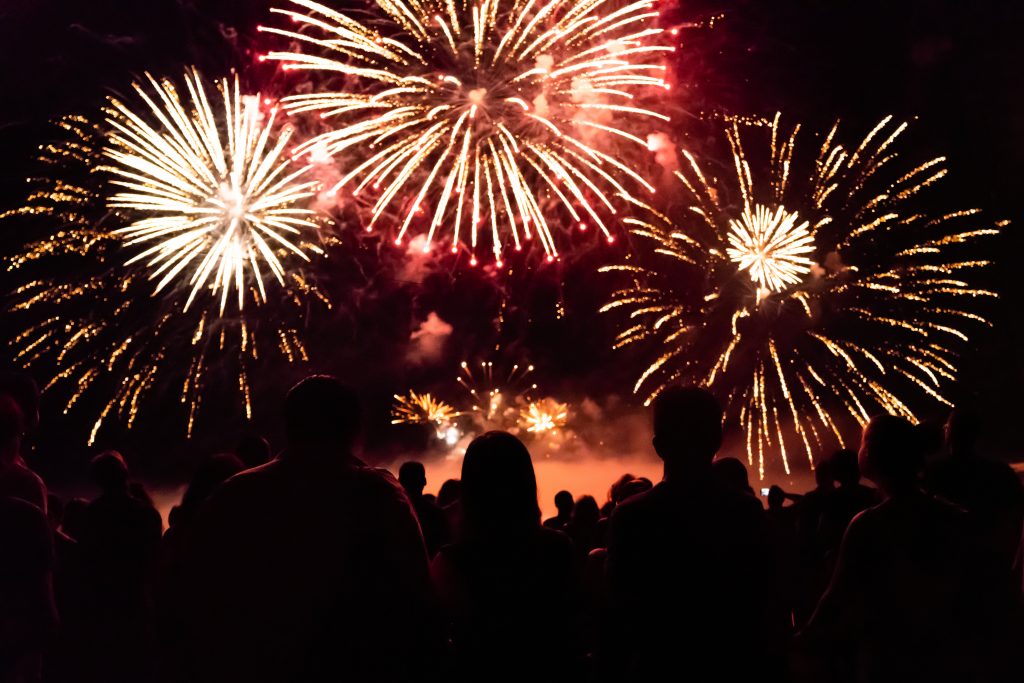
[954, 65]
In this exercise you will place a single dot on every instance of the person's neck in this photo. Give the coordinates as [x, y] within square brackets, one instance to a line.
[684, 472]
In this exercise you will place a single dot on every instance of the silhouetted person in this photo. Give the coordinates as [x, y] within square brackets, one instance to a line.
[28, 616]
[989, 490]
[16, 479]
[433, 522]
[849, 498]
[311, 567]
[584, 527]
[899, 594]
[253, 450]
[691, 577]
[508, 585]
[119, 540]
[448, 500]
[733, 473]
[615, 493]
[992, 495]
[564, 504]
[449, 492]
[813, 570]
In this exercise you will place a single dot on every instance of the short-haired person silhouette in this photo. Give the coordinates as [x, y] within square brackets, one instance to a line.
[564, 504]
[690, 573]
[310, 567]
[508, 585]
[118, 547]
[412, 476]
[900, 591]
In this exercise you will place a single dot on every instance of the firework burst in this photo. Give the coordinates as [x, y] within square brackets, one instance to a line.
[805, 290]
[493, 397]
[150, 216]
[545, 415]
[500, 118]
[416, 408]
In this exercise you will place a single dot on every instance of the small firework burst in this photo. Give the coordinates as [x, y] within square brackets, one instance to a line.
[416, 408]
[545, 415]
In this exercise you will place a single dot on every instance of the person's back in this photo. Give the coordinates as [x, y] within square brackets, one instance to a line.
[689, 566]
[508, 585]
[848, 499]
[120, 538]
[899, 594]
[311, 567]
[433, 522]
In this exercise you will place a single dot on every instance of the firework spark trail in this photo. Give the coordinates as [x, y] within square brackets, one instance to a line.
[826, 294]
[416, 408]
[498, 119]
[144, 194]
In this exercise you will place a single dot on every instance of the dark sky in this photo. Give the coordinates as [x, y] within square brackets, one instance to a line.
[954, 64]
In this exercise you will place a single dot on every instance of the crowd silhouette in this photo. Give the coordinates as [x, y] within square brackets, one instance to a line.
[313, 566]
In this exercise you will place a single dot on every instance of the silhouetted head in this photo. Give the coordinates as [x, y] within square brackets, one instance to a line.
[110, 472]
[616, 491]
[585, 512]
[449, 492]
[499, 487]
[636, 486]
[564, 503]
[413, 477]
[776, 497]
[12, 427]
[890, 453]
[321, 417]
[210, 474]
[687, 427]
[823, 475]
[963, 429]
[733, 474]
[25, 393]
[845, 469]
[253, 450]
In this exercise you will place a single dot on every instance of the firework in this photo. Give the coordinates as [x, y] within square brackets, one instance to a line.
[494, 397]
[415, 408]
[206, 188]
[496, 119]
[804, 290]
[150, 215]
[543, 416]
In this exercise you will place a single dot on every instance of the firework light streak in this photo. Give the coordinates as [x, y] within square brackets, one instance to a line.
[493, 120]
[805, 291]
[199, 199]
